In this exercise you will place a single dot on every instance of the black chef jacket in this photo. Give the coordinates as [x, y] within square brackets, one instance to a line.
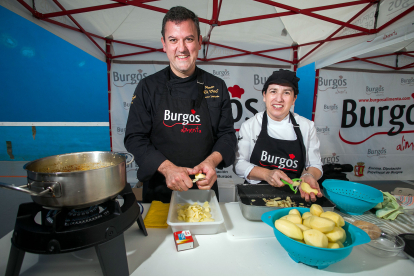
[143, 108]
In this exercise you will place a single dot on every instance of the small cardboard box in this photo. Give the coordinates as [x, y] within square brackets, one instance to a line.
[183, 240]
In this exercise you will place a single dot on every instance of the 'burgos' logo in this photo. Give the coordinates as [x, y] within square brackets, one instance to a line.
[409, 82]
[381, 153]
[126, 105]
[120, 80]
[333, 108]
[377, 90]
[223, 74]
[323, 130]
[121, 130]
[330, 159]
[340, 84]
[258, 82]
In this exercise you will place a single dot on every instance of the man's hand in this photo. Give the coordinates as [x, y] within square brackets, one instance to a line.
[207, 167]
[177, 178]
[314, 184]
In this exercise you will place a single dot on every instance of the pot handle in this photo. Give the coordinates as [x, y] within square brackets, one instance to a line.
[132, 158]
[26, 189]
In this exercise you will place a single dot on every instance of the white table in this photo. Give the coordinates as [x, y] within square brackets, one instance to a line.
[219, 254]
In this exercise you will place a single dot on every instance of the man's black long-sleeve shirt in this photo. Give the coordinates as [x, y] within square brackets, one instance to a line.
[145, 101]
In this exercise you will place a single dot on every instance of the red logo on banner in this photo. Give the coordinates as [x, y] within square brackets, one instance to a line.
[236, 91]
[359, 169]
[291, 156]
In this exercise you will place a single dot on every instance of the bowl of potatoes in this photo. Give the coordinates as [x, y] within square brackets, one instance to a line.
[314, 237]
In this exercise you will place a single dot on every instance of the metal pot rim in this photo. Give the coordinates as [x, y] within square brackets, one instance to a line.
[73, 153]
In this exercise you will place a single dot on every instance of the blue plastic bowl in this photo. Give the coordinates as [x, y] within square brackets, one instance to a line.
[310, 255]
[350, 197]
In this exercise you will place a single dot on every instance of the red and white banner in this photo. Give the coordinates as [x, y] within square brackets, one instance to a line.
[367, 120]
[244, 85]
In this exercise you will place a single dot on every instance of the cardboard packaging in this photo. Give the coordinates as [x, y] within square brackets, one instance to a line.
[183, 240]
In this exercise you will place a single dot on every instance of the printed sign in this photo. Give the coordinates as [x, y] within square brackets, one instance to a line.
[367, 120]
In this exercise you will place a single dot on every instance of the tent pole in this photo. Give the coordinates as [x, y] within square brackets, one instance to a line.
[108, 44]
[315, 94]
[295, 56]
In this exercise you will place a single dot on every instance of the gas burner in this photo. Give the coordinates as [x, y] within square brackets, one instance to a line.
[80, 216]
[68, 230]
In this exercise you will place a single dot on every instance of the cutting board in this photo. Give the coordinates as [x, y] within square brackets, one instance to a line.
[240, 228]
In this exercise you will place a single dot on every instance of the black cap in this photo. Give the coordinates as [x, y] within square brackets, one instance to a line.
[283, 77]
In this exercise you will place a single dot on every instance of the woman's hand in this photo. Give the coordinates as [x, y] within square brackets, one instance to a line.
[308, 178]
[273, 178]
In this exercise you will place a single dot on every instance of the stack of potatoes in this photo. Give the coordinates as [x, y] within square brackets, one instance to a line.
[315, 228]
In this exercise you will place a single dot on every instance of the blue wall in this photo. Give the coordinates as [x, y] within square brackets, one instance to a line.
[304, 103]
[46, 79]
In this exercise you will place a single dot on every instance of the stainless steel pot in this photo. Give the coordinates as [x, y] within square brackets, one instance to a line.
[102, 176]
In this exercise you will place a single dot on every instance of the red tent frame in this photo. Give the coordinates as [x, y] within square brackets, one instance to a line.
[214, 22]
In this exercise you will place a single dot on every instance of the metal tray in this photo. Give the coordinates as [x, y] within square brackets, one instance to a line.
[253, 210]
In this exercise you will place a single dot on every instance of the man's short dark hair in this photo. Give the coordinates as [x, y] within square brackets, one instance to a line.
[177, 15]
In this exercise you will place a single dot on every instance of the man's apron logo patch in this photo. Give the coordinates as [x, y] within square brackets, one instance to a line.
[190, 122]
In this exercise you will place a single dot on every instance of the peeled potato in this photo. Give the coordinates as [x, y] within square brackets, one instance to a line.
[315, 238]
[316, 210]
[306, 215]
[334, 245]
[294, 218]
[308, 189]
[322, 224]
[302, 227]
[294, 212]
[289, 229]
[338, 219]
[337, 234]
[306, 221]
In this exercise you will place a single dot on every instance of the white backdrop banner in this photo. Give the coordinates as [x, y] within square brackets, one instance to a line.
[367, 120]
[244, 85]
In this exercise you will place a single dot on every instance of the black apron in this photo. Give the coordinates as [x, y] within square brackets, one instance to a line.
[182, 132]
[272, 153]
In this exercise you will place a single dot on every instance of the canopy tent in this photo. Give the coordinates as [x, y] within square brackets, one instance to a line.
[239, 34]
[292, 32]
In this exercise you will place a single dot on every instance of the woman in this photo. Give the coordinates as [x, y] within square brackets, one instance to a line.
[277, 144]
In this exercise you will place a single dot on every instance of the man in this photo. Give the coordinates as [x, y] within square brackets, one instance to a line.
[180, 122]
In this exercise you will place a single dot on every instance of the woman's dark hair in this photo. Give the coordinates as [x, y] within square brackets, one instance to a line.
[179, 14]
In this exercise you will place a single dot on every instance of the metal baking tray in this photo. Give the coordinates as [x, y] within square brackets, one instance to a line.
[253, 210]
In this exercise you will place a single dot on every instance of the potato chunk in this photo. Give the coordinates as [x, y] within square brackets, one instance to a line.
[337, 234]
[315, 238]
[316, 210]
[338, 219]
[289, 229]
[322, 224]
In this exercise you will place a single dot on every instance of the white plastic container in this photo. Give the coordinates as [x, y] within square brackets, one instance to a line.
[192, 196]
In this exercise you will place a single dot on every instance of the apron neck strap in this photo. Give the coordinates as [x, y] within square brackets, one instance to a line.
[299, 136]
